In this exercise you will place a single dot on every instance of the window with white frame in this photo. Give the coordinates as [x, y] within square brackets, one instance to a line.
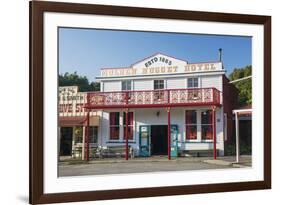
[158, 84]
[158, 90]
[126, 85]
[190, 125]
[114, 125]
[206, 125]
[192, 83]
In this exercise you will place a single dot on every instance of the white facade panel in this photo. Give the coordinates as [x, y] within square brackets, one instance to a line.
[143, 84]
[109, 86]
[158, 116]
[173, 83]
[212, 81]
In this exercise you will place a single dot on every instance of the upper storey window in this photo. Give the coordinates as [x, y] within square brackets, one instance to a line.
[158, 93]
[192, 83]
[158, 84]
[126, 85]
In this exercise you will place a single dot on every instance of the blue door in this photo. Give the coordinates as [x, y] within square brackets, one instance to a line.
[144, 150]
[174, 140]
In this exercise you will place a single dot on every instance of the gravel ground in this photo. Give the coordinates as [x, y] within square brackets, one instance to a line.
[140, 165]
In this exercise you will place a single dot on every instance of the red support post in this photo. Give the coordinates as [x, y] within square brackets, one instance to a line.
[214, 132]
[127, 144]
[127, 98]
[87, 136]
[169, 133]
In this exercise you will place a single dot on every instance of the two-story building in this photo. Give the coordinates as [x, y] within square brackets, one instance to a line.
[138, 104]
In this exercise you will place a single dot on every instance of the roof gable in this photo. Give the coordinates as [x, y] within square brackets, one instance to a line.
[158, 60]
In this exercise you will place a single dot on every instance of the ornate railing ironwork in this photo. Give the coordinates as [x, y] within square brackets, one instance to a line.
[154, 98]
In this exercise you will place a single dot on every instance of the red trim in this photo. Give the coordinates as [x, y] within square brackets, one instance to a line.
[214, 132]
[127, 146]
[65, 121]
[113, 124]
[131, 91]
[169, 133]
[87, 136]
[152, 105]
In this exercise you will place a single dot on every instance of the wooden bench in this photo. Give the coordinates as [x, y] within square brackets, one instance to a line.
[117, 151]
[95, 152]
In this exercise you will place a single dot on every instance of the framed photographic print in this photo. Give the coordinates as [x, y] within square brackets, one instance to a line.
[134, 102]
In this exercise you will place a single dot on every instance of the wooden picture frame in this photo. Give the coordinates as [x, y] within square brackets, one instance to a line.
[37, 9]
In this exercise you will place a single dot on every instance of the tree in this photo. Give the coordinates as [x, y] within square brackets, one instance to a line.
[73, 79]
[95, 86]
[244, 86]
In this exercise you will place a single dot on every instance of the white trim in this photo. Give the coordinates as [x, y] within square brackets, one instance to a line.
[225, 126]
[184, 123]
[242, 110]
[199, 139]
[192, 77]
[164, 83]
[237, 80]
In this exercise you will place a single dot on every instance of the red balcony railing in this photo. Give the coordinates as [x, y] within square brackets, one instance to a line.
[153, 98]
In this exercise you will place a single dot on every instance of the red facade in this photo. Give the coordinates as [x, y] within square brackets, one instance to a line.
[230, 102]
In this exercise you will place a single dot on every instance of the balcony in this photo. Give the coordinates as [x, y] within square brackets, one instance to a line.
[154, 98]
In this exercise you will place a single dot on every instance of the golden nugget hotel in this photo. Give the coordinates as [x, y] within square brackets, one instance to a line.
[160, 105]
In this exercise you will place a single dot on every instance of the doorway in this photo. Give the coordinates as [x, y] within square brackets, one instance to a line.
[159, 139]
[66, 141]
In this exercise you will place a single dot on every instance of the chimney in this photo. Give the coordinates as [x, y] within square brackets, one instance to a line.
[220, 54]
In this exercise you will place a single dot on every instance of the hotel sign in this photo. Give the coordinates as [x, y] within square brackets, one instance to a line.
[168, 68]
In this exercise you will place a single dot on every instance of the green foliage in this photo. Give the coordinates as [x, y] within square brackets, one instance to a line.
[71, 79]
[244, 86]
[95, 86]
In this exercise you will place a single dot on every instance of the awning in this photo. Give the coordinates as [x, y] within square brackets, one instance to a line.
[237, 113]
[245, 110]
[78, 121]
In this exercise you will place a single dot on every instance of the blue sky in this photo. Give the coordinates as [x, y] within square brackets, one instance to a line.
[88, 50]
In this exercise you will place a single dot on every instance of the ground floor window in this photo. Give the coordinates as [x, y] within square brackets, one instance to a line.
[66, 134]
[198, 125]
[206, 125]
[78, 134]
[130, 125]
[114, 126]
[93, 134]
[191, 124]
